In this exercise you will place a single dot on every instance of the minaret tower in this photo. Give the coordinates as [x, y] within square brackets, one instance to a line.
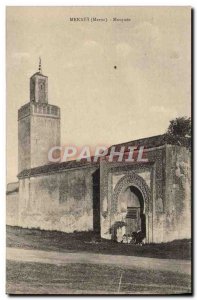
[38, 125]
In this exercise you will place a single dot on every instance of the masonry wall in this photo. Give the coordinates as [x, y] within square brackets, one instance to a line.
[76, 200]
[45, 134]
[112, 215]
[24, 153]
[61, 201]
[168, 178]
[12, 208]
[178, 193]
[149, 177]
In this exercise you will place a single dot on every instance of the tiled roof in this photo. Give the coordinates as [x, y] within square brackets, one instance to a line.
[154, 141]
[38, 73]
[55, 167]
[149, 142]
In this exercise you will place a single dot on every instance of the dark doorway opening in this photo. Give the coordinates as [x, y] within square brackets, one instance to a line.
[96, 202]
[135, 218]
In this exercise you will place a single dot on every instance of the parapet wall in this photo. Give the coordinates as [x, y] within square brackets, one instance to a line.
[42, 109]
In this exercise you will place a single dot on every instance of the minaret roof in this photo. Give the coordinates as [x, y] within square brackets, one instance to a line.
[39, 74]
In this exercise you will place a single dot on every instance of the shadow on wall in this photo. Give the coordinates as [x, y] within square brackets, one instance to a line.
[130, 223]
[114, 229]
[96, 202]
[137, 192]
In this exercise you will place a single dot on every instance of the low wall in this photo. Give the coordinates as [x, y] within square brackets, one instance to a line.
[61, 201]
[12, 200]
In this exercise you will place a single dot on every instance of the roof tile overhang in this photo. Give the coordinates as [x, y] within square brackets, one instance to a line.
[154, 142]
[57, 167]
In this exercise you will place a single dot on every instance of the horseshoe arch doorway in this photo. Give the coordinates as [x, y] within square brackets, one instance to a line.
[131, 200]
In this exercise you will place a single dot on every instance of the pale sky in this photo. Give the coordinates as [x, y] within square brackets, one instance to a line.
[100, 105]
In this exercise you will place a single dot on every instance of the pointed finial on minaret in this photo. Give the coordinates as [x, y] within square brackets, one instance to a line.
[40, 66]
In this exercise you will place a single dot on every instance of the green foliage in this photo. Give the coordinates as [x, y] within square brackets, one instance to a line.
[180, 127]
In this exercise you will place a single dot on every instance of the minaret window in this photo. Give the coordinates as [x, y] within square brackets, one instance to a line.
[39, 87]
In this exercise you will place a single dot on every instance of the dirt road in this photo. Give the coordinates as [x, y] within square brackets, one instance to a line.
[59, 258]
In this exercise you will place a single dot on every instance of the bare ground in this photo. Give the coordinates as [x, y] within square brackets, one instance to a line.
[85, 265]
[39, 278]
[86, 241]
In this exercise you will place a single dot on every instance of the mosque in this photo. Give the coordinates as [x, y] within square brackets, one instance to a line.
[113, 199]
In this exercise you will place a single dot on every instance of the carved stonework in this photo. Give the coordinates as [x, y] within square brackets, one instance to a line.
[126, 181]
[124, 168]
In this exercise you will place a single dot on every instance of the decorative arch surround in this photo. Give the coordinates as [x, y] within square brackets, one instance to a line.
[131, 180]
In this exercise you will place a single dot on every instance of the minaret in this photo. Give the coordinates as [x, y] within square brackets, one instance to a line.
[39, 86]
[38, 125]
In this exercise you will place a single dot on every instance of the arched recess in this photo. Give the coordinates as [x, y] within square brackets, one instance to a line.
[131, 180]
[138, 185]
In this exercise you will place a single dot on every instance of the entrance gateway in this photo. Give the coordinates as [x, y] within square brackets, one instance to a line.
[131, 201]
[135, 218]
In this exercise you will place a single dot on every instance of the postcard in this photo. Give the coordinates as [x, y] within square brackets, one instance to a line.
[98, 198]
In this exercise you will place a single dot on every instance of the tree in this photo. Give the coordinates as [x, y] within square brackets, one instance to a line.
[180, 127]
